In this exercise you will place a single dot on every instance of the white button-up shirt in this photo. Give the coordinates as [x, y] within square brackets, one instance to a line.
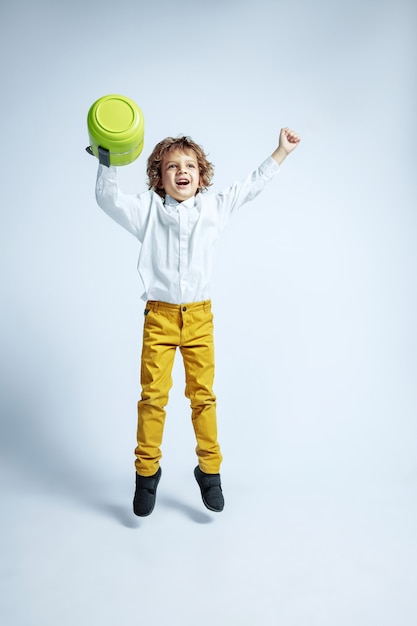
[178, 238]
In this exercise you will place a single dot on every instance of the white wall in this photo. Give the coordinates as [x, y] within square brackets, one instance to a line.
[314, 288]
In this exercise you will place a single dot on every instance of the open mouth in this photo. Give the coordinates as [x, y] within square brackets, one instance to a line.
[183, 183]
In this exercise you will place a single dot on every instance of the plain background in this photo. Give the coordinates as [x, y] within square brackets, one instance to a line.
[314, 294]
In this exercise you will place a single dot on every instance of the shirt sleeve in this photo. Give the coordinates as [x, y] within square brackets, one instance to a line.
[230, 199]
[129, 210]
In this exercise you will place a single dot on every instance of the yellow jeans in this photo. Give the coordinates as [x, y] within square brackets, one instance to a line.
[190, 328]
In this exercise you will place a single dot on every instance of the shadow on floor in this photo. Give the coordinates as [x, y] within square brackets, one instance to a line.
[194, 514]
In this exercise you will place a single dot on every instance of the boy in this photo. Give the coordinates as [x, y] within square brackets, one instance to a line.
[177, 226]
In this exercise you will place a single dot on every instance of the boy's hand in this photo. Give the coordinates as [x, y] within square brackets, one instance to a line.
[288, 141]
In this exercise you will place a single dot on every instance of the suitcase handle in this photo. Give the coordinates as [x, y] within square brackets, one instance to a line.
[103, 155]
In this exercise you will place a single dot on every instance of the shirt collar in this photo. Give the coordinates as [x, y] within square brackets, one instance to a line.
[174, 204]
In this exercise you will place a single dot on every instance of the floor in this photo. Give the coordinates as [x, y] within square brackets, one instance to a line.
[284, 551]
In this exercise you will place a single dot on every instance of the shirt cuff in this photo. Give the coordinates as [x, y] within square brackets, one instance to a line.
[107, 172]
[269, 168]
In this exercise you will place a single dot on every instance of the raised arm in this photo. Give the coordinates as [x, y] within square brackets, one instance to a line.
[128, 210]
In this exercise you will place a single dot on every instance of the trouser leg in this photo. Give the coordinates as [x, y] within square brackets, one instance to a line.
[197, 348]
[158, 353]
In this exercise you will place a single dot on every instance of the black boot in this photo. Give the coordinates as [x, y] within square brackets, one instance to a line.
[211, 490]
[145, 494]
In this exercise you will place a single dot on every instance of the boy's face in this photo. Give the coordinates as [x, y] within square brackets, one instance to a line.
[180, 176]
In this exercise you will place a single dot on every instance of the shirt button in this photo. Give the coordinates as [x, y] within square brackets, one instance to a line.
[184, 308]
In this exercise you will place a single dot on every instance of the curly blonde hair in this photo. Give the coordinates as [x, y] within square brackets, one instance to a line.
[184, 144]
